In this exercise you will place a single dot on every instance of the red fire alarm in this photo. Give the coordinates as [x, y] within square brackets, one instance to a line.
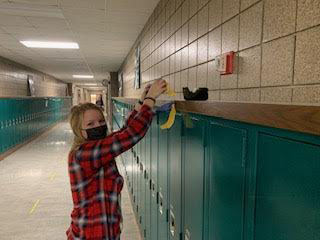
[225, 63]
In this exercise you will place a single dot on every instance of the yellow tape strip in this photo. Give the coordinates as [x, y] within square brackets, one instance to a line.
[171, 119]
[170, 92]
[34, 206]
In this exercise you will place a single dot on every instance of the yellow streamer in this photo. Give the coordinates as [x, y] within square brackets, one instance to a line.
[171, 119]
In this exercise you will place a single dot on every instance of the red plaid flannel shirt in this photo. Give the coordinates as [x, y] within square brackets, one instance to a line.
[96, 182]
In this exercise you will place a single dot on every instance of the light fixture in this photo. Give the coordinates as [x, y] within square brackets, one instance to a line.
[90, 84]
[82, 76]
[61, 45]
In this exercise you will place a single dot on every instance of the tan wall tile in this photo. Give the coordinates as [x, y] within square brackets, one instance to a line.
[249, 67]
[247, 3]
[214, 95]
[185, 35]
[178, 56]
[307, 63]
[308, 14]
[309, 94]
[172, 43]
[251, 27]
[167, 66]
[202, 75]
[277, 62]
[215, 13]
[185, 11]
[203, 49]
[178, 18]
[193, 4]
[172, 63]
[193, 29]
[276, 94]
[193, 53]
[178, 3]
[230, 9]
[230, 31]
[192, 79]
[203, 21]
[177, 82]
[202, 3]
[228, 95]
[185, 58]
[249, 95]
[184, 78]
[214, 43]
[279, 18]
[213, 76]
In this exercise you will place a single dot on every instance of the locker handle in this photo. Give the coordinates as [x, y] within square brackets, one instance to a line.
[172, 223]
[160, 203]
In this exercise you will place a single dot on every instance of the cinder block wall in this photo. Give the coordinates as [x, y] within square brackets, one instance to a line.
[277, 43]
[13, 81]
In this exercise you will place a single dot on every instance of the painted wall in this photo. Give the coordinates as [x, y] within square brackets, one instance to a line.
[277, 44]
[13, 81]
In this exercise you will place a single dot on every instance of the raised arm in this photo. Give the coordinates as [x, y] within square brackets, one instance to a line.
[92, 155]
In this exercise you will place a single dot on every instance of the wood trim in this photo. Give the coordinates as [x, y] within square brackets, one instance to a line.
[296, 118]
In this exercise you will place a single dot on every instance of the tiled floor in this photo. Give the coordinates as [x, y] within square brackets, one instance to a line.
[35, 199]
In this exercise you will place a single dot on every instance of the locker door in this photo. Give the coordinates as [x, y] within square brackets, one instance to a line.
[134, 177]
[154, 178]
[287, 195]
[175, 180]
[163, 180]
[3, 114]
[142, 207]
[227, 146]
[193, 179]
[147, 184]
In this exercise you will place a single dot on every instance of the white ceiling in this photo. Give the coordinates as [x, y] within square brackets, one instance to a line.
[104, 29]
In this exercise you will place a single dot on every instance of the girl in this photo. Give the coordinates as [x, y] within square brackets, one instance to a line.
[94, 177]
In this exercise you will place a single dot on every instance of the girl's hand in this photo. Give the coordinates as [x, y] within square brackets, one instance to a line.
[157, 88]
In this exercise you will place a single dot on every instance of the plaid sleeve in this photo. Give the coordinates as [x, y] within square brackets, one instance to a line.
[129, 119]
[95, 154]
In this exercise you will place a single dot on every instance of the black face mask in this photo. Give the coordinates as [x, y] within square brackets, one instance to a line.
[97, 132]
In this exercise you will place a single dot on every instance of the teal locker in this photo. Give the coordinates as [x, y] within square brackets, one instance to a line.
[163, 195]
[147, 185]
[287, 189]
[227, 157]
[193, 179]
[135, 172]
[3, 125]
[154, 178]
[142, 207]
[175, 179]
[138, 196]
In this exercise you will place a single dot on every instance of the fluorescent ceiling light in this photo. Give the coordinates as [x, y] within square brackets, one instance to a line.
[82, 76]
[90, 84]
[61, 45]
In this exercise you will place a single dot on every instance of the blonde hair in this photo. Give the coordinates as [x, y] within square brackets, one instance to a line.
[75, 120]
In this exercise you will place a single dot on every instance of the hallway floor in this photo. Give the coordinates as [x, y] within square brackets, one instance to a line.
[35, 200]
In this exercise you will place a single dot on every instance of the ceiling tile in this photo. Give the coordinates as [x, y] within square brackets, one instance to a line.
[92, 4]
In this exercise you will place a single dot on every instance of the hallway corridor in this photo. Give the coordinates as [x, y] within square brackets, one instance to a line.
[35, 194]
